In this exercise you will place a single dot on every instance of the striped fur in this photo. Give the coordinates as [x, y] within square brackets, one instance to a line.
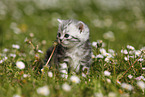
[73, 52]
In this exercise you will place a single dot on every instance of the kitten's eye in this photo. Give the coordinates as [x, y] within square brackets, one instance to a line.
[66, 35]
[59, 34]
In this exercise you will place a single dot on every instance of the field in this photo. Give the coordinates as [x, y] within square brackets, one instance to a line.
[117, 33]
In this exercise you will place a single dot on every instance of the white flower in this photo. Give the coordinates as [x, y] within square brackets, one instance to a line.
[125, 95]
[140, 60]
[1, 61]
[5, 50]
[126, 58]
[111, 51]
[107, 54]
[26, 75]
[131, 57]
[64, 73]
[99, 56]
[31, 35]
[43, 91]
[112, 94]
[13, 55]
[143, 68]
[139, 78]
[107, 59]
[75, 79]
[141, 84]
[137, 53]
[5, 58]
[16, 95]
[93, 56]
[42, 70]
[127, 86]
[109, 35]
[103, 51]
[130, 76]
[43, 42]
[118, 82]
[40, 51]
[84, 75]
[50, 74]
[143, 49]
[130, 47]
[98, 95]
[107, 73]
[108, 80]
[124, 51]
[131, 52]
[16, 46]
[20, 65]
[66, 87]
[94, 44]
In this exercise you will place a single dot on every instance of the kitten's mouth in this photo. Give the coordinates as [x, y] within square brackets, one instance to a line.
[63, 43]
[60, 42]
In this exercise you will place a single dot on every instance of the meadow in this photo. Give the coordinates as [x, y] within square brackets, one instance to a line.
[117, 33]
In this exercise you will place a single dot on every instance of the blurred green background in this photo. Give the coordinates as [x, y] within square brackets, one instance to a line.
[125, 19]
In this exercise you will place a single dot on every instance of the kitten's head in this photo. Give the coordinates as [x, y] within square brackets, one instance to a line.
[72, 32]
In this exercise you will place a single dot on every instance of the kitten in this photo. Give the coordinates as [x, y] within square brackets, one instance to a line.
[73, 52]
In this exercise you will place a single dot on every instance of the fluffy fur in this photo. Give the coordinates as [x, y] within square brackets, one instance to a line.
[73, 52]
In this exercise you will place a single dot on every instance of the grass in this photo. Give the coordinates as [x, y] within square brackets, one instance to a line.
[37, 21]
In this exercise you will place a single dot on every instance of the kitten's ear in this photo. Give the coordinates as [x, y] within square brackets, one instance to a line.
[80, 26]
[59, 20]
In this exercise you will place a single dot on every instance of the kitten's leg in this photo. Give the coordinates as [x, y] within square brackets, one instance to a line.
[64, 70]
[77, 68]
[85, 68]
[86, 62]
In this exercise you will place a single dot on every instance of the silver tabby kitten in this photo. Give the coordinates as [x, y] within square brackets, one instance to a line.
[73, 52]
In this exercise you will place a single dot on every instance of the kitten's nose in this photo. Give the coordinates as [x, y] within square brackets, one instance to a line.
[60, 40]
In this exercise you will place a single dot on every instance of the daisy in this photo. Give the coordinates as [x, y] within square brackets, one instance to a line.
[127, 86]
[103, 51]
[124, 51]
[94, 44]
[50, 74]
[13, 55]
[5, 50]
[43, 91]
[141, 84]
[20, 65]
[16, 46]
[100, 56]
[107, 73]
[66, 87]
[130, 47]
[130, 76]
[75, 79]
[137, 53]
[16, 95]
[40, 51]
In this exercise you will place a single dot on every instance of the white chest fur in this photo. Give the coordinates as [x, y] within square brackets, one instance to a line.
[75, 55]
